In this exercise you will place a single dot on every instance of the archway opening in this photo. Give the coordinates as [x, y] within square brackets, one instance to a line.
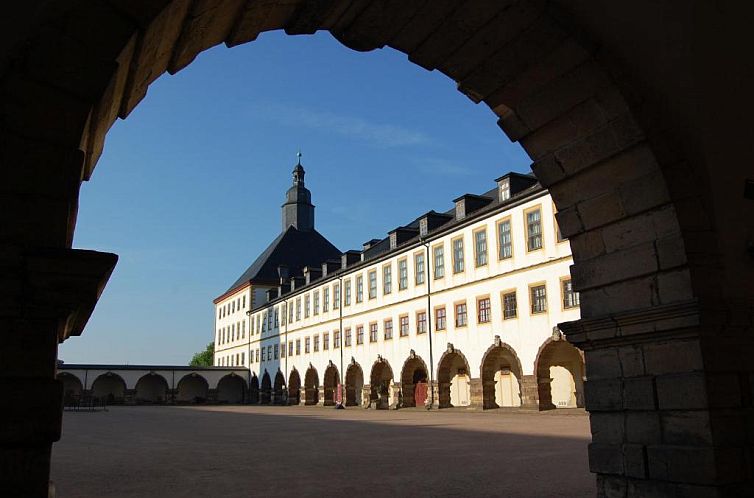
[109, 387]
[354, 384]
[311, 387]
[151, 388]
[254, 390]
[501, 378]
[231, 389]
[560, 376]
[266, 391]
[380, 385]
[294, 388]
[414, 387]
[72, 388]
[330, 384]
[278, 393]
[192, 388]
[454, 382]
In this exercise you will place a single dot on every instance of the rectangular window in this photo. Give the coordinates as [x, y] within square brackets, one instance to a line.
[421, 322]
[538, 295]
[347, 293]
[269, 320]
[244, 302]
[336, 296]
[325, 341]
[257, 355]
[372, 284]
[347, 333]
[402, 274]
[504, 240]
[276, 351]
[373, 332]
[290, 348]
[243, 359]
[510, 306]
[360, 334]
[283, 313]
[307, 344]
[419, 267]
[316, 343]
[483, 309]
[439, 257]
[262, 354]
[534, 229]
[269, 352]
[325, 300]
[458, 255]
[290, 313]
[283, 348]
[440, 319]
[387, 279]
[264, 322]
[277, 317]
[359, 289]
[336, 339]
[298, 309]
[461, 315]
[480, 247]
[570, 297]
[388, 327]
[307, 305]
[298, 347]
[404, 326]
[316, 302]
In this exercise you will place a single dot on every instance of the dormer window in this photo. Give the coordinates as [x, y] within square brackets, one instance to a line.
[423, 227]
[505, 189]
[460, 209]
[393, 240]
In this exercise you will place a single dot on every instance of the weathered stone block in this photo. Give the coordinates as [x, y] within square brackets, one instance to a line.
[603, 395]
[607, 427]
[634, 460]
[606, 458]
[603, 364]
[631, 360]
[672, 357]
[682, 391]
[643, 428]
[639, 393]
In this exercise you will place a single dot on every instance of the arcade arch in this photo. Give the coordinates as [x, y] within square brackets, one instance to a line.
[266, 389]
[354, 384]
[110, 387]
[151, 388]
[453, 379]
[294, 388]
[380, 384]
[72, 386]
[560, 375]
[311, 386]
[414, 381]
[254, 389]
[231, 389]
[192, 388]
[330, 384]
[501, 377]
[278, 393]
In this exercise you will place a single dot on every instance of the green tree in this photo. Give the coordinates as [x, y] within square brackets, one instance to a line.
[204, 358]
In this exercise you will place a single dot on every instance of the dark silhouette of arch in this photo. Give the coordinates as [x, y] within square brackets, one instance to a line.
[380, 381]
[311, 387]
[278, 392]
[72, 387]
[192, 388]
[452, 363]
[294, 387]
[266, 391]
[330, 385]
[254, 390]
[109, 387]
[151, 388]
[354, 384]
[231, 389]
[414, 372]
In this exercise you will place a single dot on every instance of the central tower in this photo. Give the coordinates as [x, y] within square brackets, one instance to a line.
[298, 209]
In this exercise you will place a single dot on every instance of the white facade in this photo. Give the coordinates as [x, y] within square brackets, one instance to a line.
[499, 360]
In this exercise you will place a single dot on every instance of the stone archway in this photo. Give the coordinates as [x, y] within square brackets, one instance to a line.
[254, 390]
[354, 384]
[278, 392]
[604, 102]
[294, 388]
[453, 379]
[414, 380]
[231, 389]
[192, 388]
[311, 386]
[330, 384]
[72, 387]
[109, 387]
[266, 389]
[151, 388]
[381, 384]
[502, 377]
[559, 368]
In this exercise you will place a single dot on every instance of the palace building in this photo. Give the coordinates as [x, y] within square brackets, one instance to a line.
[455, 308]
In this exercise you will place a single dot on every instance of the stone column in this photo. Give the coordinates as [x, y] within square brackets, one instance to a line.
[434, 402]
[476, 393]
[46, 296]
[395, 392]
[321, 396]
[545, 394]
[366, 394]
[212, 396]
[529, 392]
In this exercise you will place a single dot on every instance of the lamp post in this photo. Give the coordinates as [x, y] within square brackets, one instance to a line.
[342, 403]
[248, 351]
[425, 243]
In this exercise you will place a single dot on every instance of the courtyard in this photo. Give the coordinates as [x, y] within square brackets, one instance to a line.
[167, 451]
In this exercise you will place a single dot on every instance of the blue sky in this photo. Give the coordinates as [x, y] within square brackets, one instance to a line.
[189, 188]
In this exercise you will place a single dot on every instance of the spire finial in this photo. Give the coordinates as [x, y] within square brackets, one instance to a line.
[298, 155]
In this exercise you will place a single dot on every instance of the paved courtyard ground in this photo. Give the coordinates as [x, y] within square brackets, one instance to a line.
[311, 451]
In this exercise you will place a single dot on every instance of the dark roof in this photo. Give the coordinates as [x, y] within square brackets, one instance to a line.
[293, 248]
